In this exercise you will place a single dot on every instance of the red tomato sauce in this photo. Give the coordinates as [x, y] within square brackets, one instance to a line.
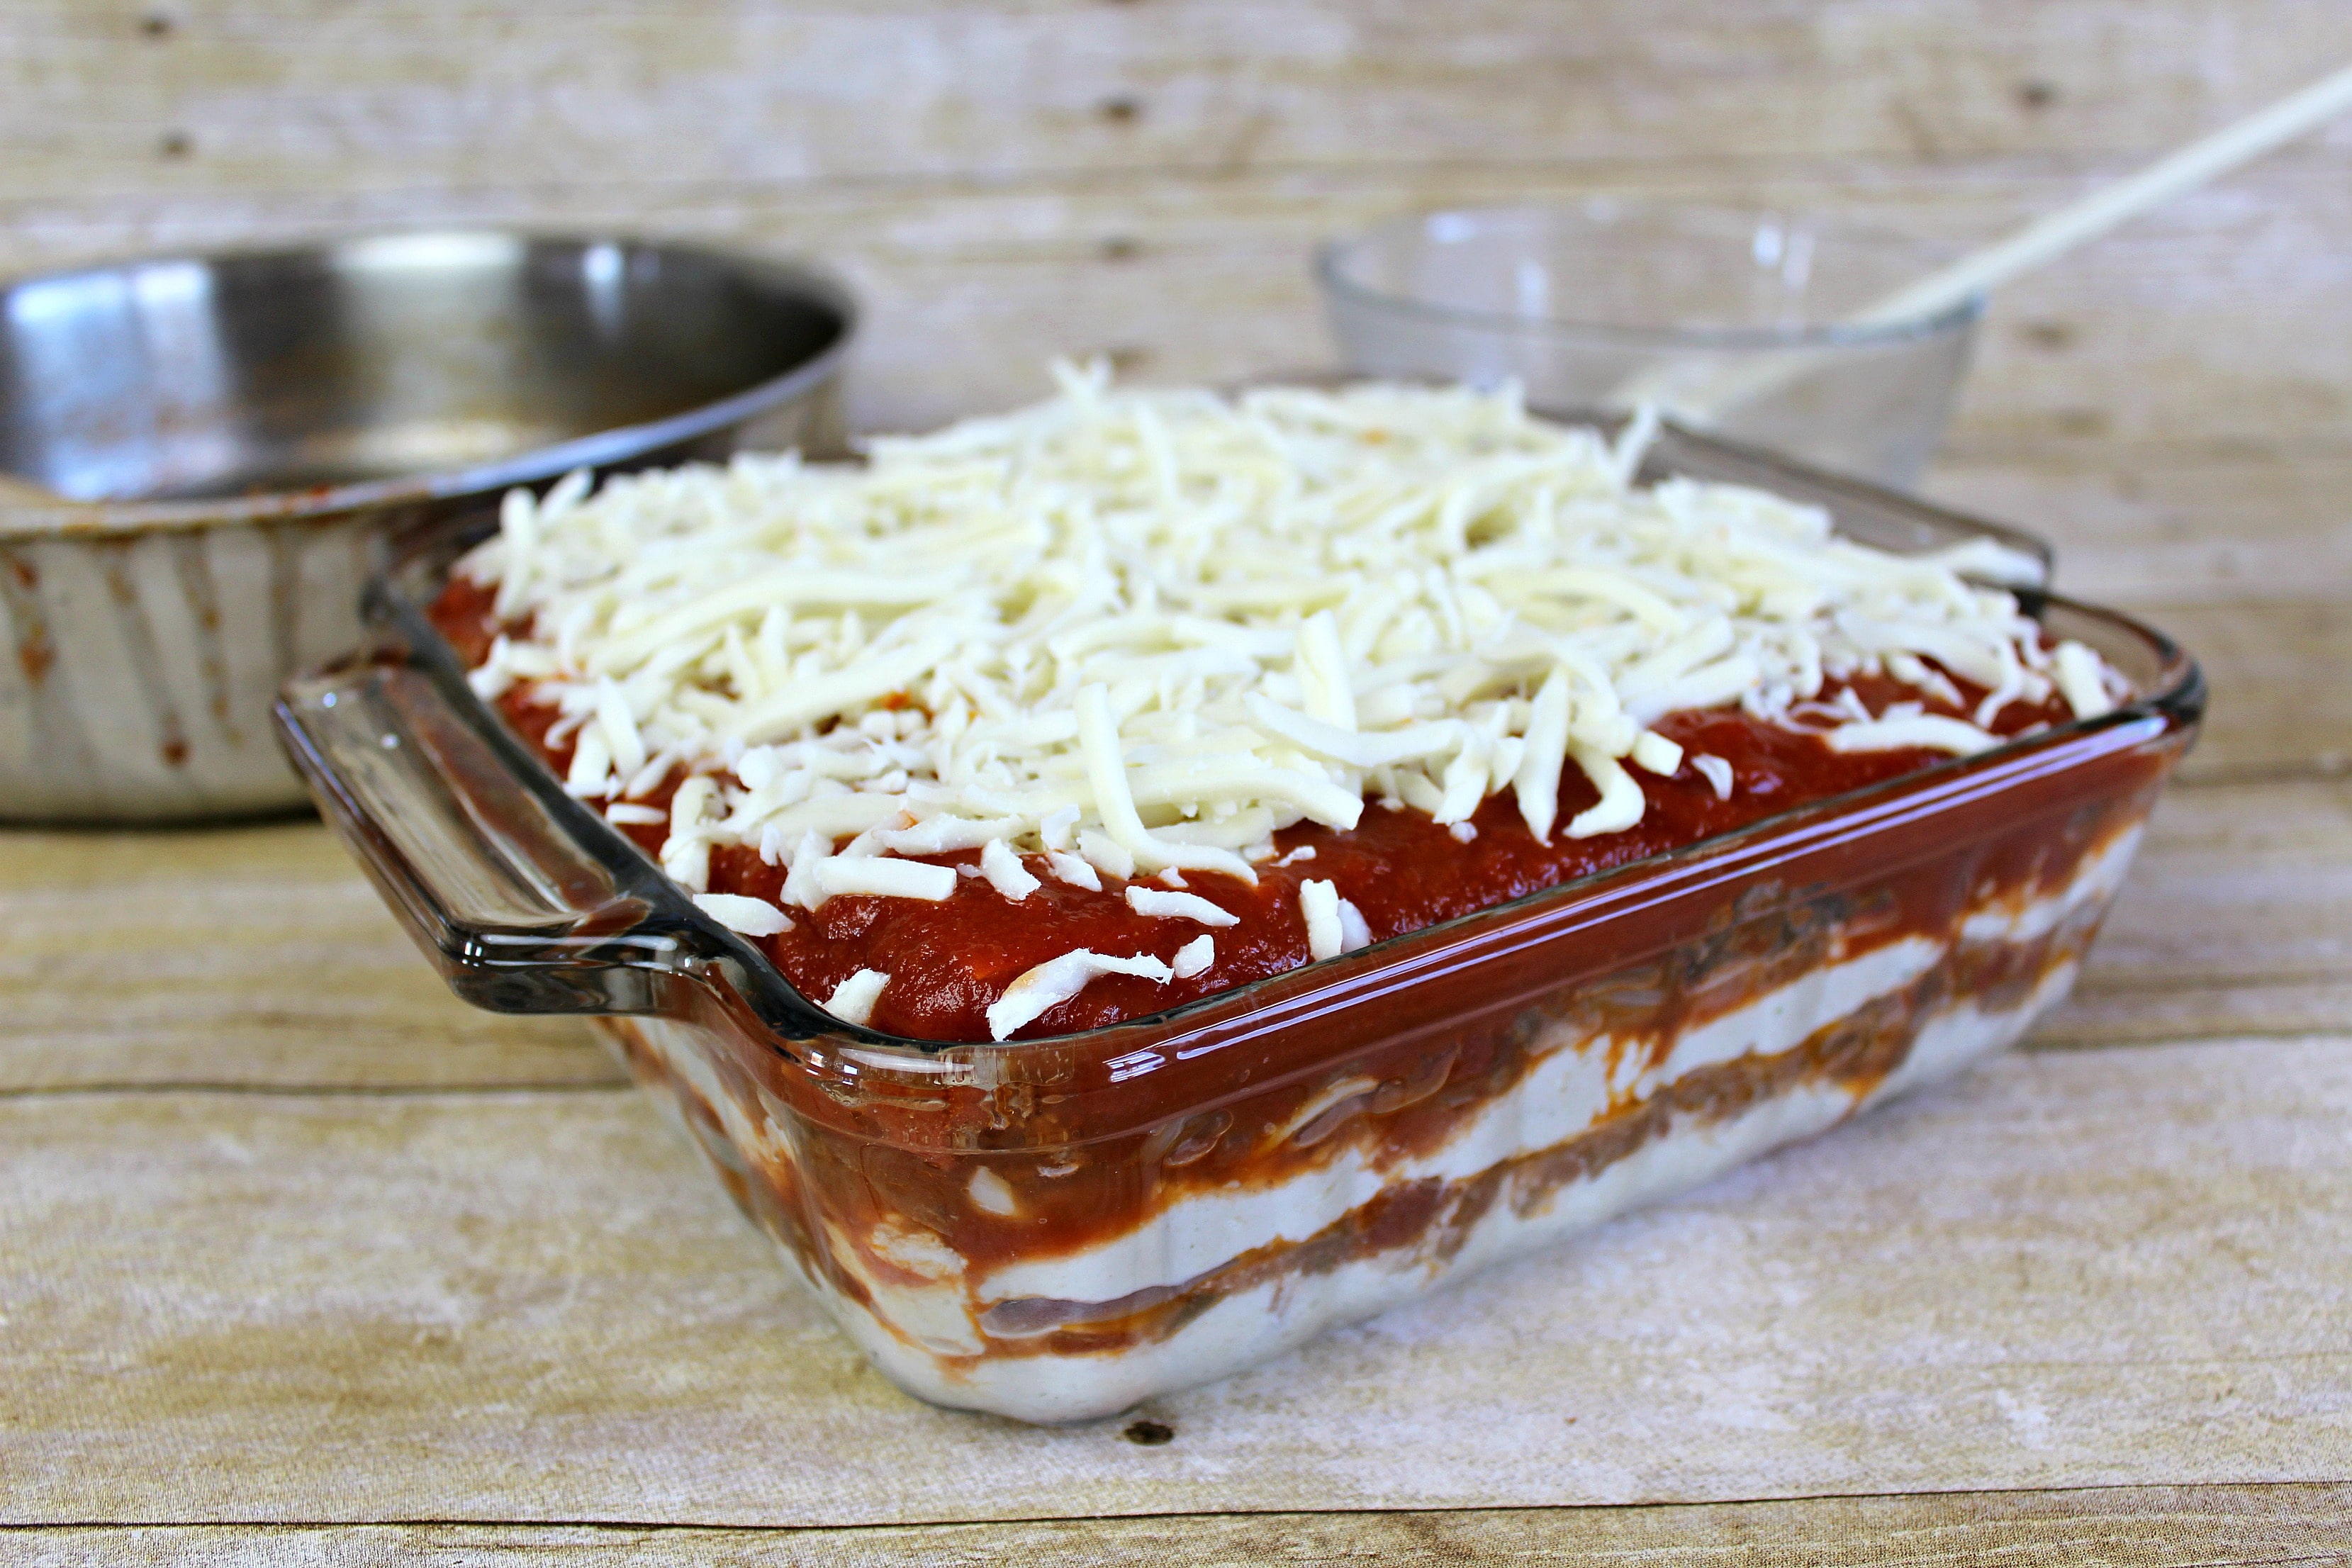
[949, 961]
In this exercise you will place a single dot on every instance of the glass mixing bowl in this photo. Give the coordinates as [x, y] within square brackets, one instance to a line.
[1732, 319]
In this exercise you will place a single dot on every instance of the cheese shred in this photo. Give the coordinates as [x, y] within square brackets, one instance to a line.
[1133, 633]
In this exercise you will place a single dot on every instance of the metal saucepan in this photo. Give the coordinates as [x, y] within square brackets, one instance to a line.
[208, 452]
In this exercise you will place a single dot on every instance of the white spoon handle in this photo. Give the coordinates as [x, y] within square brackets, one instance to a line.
[2046, 239]
[2039, 242]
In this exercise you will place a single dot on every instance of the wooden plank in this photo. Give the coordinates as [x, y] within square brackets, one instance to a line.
[302, 94]
[994, 215]
[2234, 921]
[2134, 1010]
[239, 955]
[2217, 322]
[2171, 527]
[2127, 1267]
[2078, 1269]
[2274, 712]
[2149, 1527]
[2220, 324]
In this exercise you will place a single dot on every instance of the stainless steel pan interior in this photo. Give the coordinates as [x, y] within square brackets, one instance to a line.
[230, 439]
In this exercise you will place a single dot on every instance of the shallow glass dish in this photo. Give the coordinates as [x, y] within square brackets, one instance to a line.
[1056, 1228]
[1609, 303]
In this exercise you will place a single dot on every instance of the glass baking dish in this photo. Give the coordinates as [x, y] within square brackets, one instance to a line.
[1054, 1230]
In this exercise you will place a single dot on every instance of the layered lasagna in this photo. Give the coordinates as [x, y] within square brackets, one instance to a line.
[1048, 723]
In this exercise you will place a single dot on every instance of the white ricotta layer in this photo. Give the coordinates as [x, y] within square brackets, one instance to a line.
[1280, 1315]
[2095, 881]
[1567, 1093]
[1952, 1040]
[921, 1329]
[1783, 1020]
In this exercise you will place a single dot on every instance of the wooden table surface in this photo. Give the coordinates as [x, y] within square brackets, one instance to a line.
[301, 1260]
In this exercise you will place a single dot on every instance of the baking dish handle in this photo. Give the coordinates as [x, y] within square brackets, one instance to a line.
[518, 912]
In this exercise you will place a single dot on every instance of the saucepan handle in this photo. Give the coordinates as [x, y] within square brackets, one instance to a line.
[501, 887]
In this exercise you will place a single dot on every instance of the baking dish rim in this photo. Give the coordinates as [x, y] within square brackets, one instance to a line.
[672, 920]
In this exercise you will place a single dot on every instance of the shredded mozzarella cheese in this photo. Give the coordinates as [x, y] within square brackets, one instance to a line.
[1901, 730]
[1354, 930]
[853, 1000]
[1333, 925]
[1006, 872]
[1139, 633]
[1716, 772]
[1070, 869]
[2083, 678]
[752, 917]
[1178, 906]
[889, 879]
[1039, 991]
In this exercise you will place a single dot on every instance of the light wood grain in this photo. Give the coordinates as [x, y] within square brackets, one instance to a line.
[2276, 713]
[474, 1279]
[287, 93]
[2232, 921]
[2171, 527]
[2149, 1527]
[2117, 1267]
[2222, 322]
[1008, 182]
[237, 955]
